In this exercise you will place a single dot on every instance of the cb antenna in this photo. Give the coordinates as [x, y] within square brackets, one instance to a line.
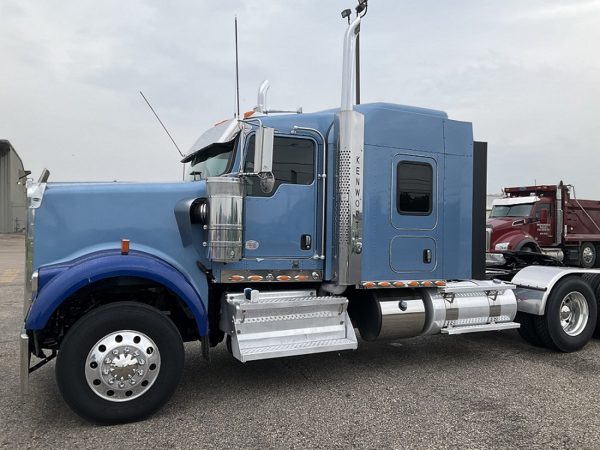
[163, 125]
[237, 74]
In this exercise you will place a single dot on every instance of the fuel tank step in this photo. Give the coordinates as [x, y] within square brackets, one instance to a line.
[264, 325]
[480, 327]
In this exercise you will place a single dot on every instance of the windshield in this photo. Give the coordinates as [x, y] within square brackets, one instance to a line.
[213, 161]
[511, 210]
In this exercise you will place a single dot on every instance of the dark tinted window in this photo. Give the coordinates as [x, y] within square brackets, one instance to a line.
[414, 188]
[293, 163]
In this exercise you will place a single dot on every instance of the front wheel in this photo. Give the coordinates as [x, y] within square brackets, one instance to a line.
[570, 317]
[120, 363]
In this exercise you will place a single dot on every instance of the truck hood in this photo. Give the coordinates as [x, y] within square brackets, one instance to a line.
[501, 223]
[78, 218]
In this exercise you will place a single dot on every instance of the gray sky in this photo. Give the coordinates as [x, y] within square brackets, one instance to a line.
[526, 73]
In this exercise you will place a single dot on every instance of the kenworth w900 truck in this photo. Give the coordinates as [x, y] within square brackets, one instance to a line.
[292, 232]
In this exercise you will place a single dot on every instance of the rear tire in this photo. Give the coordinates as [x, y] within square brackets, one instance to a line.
[120, 363]
[527, 329]
[587, 255]
[594, 282]
[570, 317]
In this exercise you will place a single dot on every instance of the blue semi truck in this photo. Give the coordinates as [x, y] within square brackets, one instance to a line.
[291, 232]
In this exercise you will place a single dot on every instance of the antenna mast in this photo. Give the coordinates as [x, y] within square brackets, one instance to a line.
[237, 74]
[163, 125]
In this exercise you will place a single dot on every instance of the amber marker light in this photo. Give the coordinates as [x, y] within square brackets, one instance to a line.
[440, 283]
[248, 114]
[398, 283]
[384, 284]
[284, 278]
[301, 277]
[427, 283]
[368, 284]
[236, 278]
[255, 278]
[124, 246]
[413, 283]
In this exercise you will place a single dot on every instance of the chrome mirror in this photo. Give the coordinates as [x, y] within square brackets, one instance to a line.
[263, 150]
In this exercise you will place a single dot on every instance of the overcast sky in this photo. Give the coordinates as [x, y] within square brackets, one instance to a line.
[526, 73]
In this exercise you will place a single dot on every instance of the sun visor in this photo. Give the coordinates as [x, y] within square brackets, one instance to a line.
[221, 133]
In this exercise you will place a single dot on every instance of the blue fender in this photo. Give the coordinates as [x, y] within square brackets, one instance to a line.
[87, 270]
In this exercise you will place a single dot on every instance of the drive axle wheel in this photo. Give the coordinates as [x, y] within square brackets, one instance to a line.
[527, 329]
[570, 317]
[587, 255]
[119, 363]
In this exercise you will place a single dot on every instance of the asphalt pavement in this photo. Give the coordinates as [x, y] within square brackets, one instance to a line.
[485, 390]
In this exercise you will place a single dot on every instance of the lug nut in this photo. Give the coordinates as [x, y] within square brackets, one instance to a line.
[141, 362]
[107, 360]
[121, 384]
[140, 372]
[106, 371]
[111, 381]
[126, 349]
[115, 352]
[132, 382]
[136, 353]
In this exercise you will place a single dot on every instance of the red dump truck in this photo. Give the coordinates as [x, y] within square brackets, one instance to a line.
[546, 219]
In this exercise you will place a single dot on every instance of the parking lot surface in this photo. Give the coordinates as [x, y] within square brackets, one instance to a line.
[487, 390]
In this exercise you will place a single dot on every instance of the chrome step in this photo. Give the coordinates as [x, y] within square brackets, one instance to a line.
[482, 327]
[265, 325]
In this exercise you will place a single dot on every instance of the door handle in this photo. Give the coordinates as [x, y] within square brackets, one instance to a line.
[306, 242]
[427, 256]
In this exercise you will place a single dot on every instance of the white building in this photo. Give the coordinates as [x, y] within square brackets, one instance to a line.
[13, 194]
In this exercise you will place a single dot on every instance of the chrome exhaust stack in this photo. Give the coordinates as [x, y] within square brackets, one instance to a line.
[349, 149]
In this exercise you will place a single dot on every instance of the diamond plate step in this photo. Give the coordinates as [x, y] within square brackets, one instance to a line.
[478, 328]
[285, 323]
[300, 348]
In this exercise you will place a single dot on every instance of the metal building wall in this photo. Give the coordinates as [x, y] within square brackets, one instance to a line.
[13, 195]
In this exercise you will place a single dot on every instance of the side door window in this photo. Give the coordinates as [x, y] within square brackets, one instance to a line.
[293, 163]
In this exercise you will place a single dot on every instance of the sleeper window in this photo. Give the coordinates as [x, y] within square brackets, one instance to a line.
[414, 188]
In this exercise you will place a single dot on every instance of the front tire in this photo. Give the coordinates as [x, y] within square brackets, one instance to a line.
[120, 363]
[570, 318]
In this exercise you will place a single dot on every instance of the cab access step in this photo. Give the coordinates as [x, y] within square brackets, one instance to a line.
[262, 325]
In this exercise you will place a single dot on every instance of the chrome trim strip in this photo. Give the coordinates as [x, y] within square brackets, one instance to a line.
[269, 276]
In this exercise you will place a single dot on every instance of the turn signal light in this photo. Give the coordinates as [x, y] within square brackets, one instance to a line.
[248, 114]
[124, 246]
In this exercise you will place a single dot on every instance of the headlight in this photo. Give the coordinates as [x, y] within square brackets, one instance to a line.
[501, 246]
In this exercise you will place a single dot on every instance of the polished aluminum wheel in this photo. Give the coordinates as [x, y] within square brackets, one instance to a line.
[574, 313]
[122, 365]
[587, 256]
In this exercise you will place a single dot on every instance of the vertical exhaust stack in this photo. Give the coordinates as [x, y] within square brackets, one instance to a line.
[349, 147]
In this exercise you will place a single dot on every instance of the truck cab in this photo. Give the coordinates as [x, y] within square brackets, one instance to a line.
[524, 223]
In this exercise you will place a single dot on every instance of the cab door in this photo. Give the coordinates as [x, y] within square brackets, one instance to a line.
[282, 224]
[543, 227]
[414, 251]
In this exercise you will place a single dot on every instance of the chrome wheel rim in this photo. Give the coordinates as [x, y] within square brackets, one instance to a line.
[587, 255]
[122, 366]
[574, 313]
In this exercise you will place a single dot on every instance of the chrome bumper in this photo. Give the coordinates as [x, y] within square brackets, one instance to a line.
[24, 361]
